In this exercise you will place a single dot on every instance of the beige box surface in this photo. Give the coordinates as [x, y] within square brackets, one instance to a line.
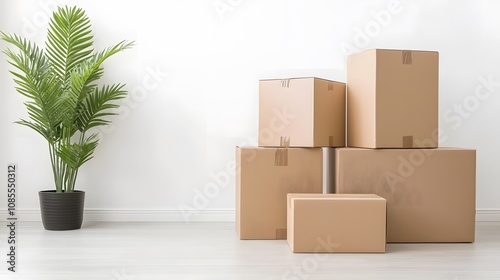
[392, 99]
[336, 223]
[264, 177]
[431, 193]
[301, 112]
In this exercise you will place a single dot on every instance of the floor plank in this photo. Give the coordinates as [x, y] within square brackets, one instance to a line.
[212, 250]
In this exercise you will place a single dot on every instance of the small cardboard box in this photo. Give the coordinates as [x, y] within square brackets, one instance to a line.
[301, 112]
[336, 223]
[392, 99]
[264, 177]
[431, 193]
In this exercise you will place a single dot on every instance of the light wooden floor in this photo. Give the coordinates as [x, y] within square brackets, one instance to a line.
[212, 250]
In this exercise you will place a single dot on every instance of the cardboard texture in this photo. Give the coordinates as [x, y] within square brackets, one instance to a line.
[431, 193]
[392, 99]
[336, 223]
[264, 177]
[301, 112]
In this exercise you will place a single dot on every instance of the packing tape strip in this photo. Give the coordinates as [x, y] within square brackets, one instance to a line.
[330, 86]
[285, 83]
[407, 141]
[281, 157]
[330, 141]
[285, 141]
[407, 57]
[281, 233]
[281, 154]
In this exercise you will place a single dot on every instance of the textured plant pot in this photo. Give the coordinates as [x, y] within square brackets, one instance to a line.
[62, 211]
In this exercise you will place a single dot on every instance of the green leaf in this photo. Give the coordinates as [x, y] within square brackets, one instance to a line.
[98, 105]
[76, 154]
[60, 83]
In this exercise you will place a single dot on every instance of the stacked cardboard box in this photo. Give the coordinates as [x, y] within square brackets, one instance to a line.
[340, 223]
[265, 177]
[392, 159]
[296, 118]
[392, 99]
[392, 108]
[301, 112]
[430, 193]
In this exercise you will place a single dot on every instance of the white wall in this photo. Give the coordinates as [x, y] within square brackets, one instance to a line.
[193, 78]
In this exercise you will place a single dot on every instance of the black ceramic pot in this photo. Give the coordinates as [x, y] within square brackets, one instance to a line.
[62, 211]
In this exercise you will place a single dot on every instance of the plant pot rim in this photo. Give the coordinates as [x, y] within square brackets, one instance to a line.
[54, 191]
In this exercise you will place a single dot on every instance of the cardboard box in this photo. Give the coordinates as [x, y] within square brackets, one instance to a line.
[431, 193]
[392, 99]
[264, 177]
[301, 112]
[336, 223]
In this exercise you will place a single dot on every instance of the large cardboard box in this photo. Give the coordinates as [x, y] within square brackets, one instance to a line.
[392, 99]
[336, 223]
[301, 112]
[264, 177]
[431, 193]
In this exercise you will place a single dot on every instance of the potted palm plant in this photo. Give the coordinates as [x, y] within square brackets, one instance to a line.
[64, 102]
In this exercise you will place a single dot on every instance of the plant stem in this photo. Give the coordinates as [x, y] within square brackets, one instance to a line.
[55, 167]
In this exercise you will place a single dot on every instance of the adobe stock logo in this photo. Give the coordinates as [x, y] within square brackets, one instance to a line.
[455, 116]
[219, 181]
[40, 19]
[277, 123]
[372, 28]
[407, 167]
[311, 263]
[122, 275]
[223, 7]
[151, 81]
[470, 104]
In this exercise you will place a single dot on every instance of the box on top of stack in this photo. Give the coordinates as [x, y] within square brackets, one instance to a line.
[392, 99]
[301, 112]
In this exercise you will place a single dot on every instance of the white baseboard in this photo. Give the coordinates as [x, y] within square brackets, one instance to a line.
[488, 215]
[207, 215]
[212, 215]
[146, 215]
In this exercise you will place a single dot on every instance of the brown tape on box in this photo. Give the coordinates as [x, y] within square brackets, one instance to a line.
[330, 86]
[285, 83]
[407, 57]
[281, 154]
[281, 233]
[285, 141]
[281, 157]
[407, 141]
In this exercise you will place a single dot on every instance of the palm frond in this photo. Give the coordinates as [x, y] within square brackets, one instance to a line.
[34, 80]
[69, 40]
[61, 85]
[98, 105]
[90, 70]
[38, 128]
[76, 154]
